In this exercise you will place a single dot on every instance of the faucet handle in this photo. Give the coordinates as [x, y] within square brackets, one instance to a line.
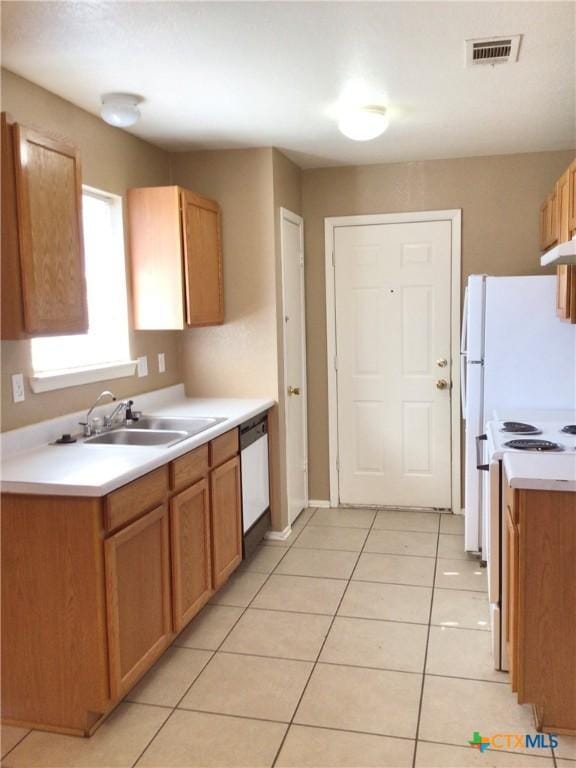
[86, 428]
[129, 413]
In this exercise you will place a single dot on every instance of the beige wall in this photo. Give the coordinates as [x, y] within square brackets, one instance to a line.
[113, 161]
[499, 197]
[237, 359]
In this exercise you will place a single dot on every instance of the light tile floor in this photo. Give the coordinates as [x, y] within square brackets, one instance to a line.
[362, 640]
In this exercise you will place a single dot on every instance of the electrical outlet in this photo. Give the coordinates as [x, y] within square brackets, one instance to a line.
[161, 362]
[142, 366]
[18, 394]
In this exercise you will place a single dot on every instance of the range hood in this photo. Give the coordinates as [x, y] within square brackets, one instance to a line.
[565, 253]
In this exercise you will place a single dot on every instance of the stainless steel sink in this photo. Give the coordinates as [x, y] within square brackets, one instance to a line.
[191, 426]
[139, 437]
[155, 430]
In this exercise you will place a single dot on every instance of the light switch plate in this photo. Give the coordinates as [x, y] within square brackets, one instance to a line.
[142, 366]
[161, 362]
[18, 394]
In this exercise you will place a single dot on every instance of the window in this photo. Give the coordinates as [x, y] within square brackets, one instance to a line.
[104, 351]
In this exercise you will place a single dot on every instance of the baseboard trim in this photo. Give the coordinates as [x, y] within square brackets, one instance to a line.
[279, 535]
[318, 503]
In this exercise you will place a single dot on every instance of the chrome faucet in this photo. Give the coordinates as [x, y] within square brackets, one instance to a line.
[123, 405]
[86, 424]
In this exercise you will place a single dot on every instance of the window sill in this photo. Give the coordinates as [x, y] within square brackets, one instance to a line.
[46, 382]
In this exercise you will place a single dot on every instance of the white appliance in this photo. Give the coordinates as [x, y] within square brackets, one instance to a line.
[549, 426]
[515, 354]
[255, 481]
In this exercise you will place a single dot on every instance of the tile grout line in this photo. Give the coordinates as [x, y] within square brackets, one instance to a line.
[315, 664]
[419, 715]
[16, 745]
[213, 653]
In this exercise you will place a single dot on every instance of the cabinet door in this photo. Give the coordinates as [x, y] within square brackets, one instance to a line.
[512, 596]
[544, 226]
[10, 284]
[191, 561]
[226, 519]
[202, 260]
[572, 199]
[138, 598]
[563, 203]
[552, 238]
[49, 202]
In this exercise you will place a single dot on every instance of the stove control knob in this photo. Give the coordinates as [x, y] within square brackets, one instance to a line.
[442, 384]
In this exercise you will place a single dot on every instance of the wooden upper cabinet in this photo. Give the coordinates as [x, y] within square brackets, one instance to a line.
[202, 260]
[552, 227]
[563, 206]
[176, 257]
[544, 226]
[44, 258]
[572, 199]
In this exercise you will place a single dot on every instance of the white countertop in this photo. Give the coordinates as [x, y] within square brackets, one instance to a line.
[32, 465]
[541, 471]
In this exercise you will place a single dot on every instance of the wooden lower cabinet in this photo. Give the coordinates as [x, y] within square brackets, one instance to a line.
[138, 591]
[191, 556]
[95, 589]
[226, 517]
[512, 602]
[541, 610]
[566, 292]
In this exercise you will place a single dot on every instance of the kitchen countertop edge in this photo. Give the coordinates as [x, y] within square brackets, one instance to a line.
[143, 459]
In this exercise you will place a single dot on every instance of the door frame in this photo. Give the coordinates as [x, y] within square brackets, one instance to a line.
[454, 216]
[288, 216]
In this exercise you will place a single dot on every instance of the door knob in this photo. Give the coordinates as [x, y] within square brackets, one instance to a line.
[293, 390]
[442, 362]
[442, 384]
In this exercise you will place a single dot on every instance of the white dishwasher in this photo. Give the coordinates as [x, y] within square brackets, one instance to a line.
[255, 481]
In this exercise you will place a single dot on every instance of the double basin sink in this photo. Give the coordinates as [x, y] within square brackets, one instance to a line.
[155, 430]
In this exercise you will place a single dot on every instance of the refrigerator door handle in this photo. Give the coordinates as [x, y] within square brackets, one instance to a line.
[463, 357]
[479, 457]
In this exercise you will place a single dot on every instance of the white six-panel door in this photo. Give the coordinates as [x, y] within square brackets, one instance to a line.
[393, 344]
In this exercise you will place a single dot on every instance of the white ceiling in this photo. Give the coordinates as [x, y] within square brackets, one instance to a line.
[235, 74]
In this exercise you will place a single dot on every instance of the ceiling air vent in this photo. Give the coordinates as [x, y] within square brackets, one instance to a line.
[495, 50]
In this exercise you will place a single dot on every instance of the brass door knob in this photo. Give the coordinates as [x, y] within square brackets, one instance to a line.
[293, 390]
[442, 362]
[442, 384]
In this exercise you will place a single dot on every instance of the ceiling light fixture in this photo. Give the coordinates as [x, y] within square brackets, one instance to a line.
[120, 109]
[363, 123]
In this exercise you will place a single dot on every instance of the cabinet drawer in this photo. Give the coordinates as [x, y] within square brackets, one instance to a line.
[133, 499]
[223, 448]
[189, 468]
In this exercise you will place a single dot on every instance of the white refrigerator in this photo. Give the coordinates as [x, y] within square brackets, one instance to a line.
[515, 354]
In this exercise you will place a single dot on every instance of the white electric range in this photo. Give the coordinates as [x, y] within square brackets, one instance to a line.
[548, 429]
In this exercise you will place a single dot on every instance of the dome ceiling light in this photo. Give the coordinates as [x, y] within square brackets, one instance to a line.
[120, 109]
[363, 123]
